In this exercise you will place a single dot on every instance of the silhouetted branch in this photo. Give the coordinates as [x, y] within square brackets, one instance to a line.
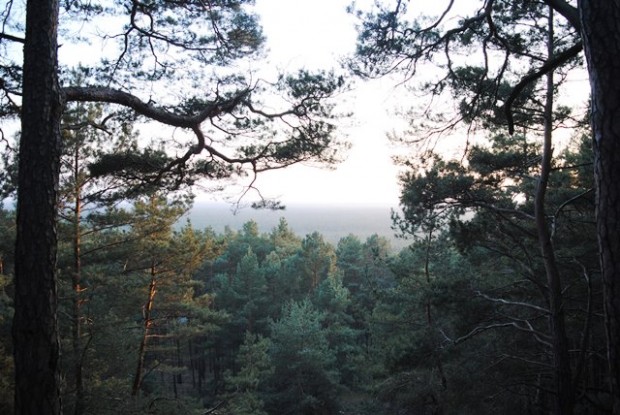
[550, 65]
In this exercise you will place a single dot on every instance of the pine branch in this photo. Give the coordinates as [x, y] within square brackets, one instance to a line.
[549, 66]
[115, 96]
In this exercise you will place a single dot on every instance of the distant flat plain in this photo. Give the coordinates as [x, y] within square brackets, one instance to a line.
[332, 221]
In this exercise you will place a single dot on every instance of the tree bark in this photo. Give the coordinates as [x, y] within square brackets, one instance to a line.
[35, 328]
[76, 285]
[148, 307]
[600, 21]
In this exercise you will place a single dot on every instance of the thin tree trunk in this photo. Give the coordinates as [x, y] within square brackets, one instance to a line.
[600, 21]
[179, 360]
[35, 325]
[77, 289]
[148, 306]
[564, 396]
[192, 364]
[174, 386]
[438, 405]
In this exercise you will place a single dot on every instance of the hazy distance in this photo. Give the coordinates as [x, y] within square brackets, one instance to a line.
[332, 221]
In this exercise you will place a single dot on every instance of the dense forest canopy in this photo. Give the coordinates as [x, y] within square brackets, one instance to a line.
[505, 301]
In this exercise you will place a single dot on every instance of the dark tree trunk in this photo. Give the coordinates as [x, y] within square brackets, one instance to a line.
[174, 386]
[564, 396]
[192, 364]
[179, 358]
[436, 402]
[35, 329]
[600, 22]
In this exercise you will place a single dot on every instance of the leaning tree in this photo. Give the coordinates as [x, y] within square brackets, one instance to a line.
[183, 65]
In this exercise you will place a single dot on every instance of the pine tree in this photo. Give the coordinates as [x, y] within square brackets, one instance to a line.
[246, 386]
[305, 379]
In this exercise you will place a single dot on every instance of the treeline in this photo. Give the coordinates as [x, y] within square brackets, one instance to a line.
[158, 319]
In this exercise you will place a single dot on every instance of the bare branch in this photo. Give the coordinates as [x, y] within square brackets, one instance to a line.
[440, 18]
[481, 329]
[81, 125]
[571, 200]
[12, 38]
[533, 362]
[500, 210]
[513, 303]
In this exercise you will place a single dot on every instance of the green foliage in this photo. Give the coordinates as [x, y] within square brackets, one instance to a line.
[317, 260]
[474, 288]
[498, 176]
[255, 368]
[305, 379]
[117, 265]
[419, 365]
[6, 361]
[480, 52]
[8, 172]
[271, 323]
[284, 240]
[7, 241]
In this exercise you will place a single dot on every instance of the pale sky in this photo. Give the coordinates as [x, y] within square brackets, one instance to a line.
[315, 35]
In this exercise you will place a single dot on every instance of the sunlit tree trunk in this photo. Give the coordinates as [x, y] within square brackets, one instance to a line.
[600, 22]
[76, 285]
[35, 326]
[148, 307]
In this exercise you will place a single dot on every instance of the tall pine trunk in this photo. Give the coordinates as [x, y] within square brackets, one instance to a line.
[600, 21]
[77, 287]
[35, 327]
[564, 395]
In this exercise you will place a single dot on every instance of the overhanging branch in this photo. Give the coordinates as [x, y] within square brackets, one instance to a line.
[115, 96]
[12, 38]
[549, 66]
[569, 12]
[514, 303]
